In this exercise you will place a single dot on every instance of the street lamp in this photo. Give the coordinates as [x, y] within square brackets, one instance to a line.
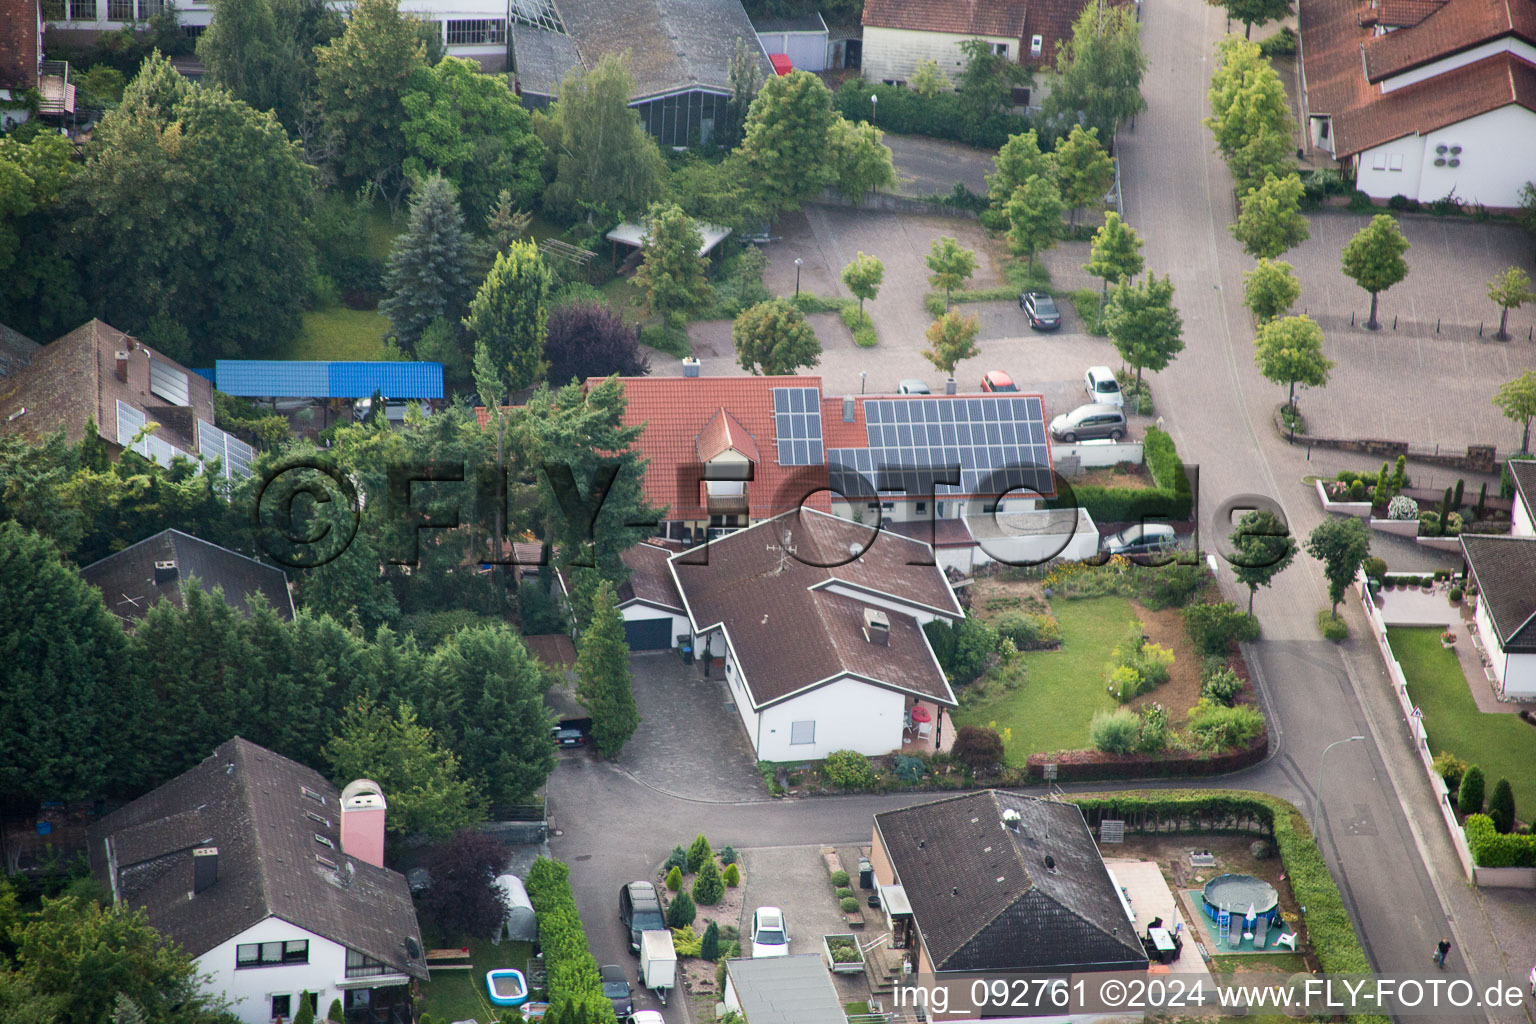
[1317, 801]
[862, 375]
[798, 263]
[874, 104]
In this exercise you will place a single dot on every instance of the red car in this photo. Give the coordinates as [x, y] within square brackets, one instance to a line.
[998, 381]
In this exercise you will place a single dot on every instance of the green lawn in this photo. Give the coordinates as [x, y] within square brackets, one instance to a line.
[1062, 688]
[1503, 745]
[460, 995]
[340, 333]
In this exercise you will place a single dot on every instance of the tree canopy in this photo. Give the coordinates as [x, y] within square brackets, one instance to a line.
[263, 52]
[1144, 324]
[949, 266]
[1116, 252]
[1270, 289]
[951, 338]
[603, 676]
[1034, 217]
[1271, 221]
[1084, 172]
[510, 313]
[986, 81]
[1374, 259]
[783, 156]
[588, 339]
[860, 160]
[1018, 159]
[1099, 72]
[1517, 400]
[863, 277]
[1289, 351]
[427, 277]
[773, 338]
[1341, 543]
[1511, 289]
[1250, 115]
[671, 274]
[1262, 548]
[363, 76]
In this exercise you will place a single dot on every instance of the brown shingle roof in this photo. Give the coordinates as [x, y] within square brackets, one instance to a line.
[1458, 25]
[18, 44]
[943, 533]
[785, 619]
[1524, 472]
[983, 898]
[1445, 99]
[126, 579]
[957, 17]
[1505, 571]
[249, 803]
[649, 578]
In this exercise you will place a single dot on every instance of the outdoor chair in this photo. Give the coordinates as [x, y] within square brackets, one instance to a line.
[1286, 939]
[1260, 931]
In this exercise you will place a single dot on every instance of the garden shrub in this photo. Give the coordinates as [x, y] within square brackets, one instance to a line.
[709, 946]
[685, 940]
[1029, 631]
[839, 879]
[709, 887]
[1214, 628]
[1221, 686]
[728, 854]
[335, 1012]
[1450, 768]
[940, 116]
[1402, 507]
[979, 748]
[843, 893]
[675, 878]
[1429, 523]
[431, 628]
[1469, 798]
[964, 650]
[699, 852]
[1357, 491]
[1281, 44]
[681, 911]
[538, 610]
[1124, 683]
[1333, 628]
[849, 769]
[1456, 595]
[909, 769]
[1501, 807]
[1114, 732]
[569, 965]
[1153, 734]
[1494, 849]
[849, 905]
[732, 876]
[1154, 663]
[1374, 568]
[678, 858]
[1171, 585]
[1217, 728]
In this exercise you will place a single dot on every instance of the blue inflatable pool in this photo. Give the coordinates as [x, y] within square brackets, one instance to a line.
[506, 987]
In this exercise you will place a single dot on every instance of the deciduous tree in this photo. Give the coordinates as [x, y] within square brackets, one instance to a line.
[1256, 12]
[1099, 71]
[1018, 159]
[1083, 170]
[510, 313]
[588, 339]
[1034, 217]
[985, 83]
[1271, 220]
[363, 76]
[860, 160]
[1517, 400]
[1374, 259]
[949, 266]
[427, 276]
[863, 277]
[1341, 544]
[927, 80]
[1289, 351]
[1144, 324]
[1270, 289]
[1250, 115]
[463, 898]
[1116, 252]
[746, 80]
[1511, 289]
[951, 338]
[783, 156]
[603, 677]
[671, 272]
[262, 51]
[773, 338]
[1262, 548]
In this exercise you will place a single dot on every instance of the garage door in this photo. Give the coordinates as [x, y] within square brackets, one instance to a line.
[648, 634]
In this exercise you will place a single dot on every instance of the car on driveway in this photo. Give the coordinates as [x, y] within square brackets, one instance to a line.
[1140, 539]
[1040, 309]
[647, 1017]
[770, 933]
[1102, 387]
[568, 737]
[1089, 423]
[640, 910]
[999, 382]
[616, 989]
[912, 386]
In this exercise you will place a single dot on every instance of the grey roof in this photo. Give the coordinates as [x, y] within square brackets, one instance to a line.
[672, 45]
[248, 803]
[786, 990]
[126, 579]
[983, 898]
[15, 350]
[802, 23]
[1505, 571]
[1524, 472]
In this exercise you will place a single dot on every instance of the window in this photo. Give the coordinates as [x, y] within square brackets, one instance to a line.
[323, 841]
[312, 795]
[82, 10]
[1020, 95]
[361, 966]
[119, 10]
[900, 83]
[921, 508]
[988, 507]
[477, 32]
[1397, 162]
[282, 1006]
[271, 954]
[193, 31]
[325, 861]
[1036, 45]
[322, 819]
[149, 8]
[1001, 49]
[1379, 162]
[802, 733]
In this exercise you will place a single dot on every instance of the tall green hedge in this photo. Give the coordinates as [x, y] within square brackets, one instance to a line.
[572, 970]
[1493, 849]
[1329, 928]
[942, 116]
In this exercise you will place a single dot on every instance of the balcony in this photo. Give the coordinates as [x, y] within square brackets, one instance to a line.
[57, 91]
[725, 497]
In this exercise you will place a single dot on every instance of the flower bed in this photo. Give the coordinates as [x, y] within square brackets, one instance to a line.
[1086, 765]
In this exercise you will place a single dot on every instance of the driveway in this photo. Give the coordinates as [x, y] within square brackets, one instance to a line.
[690, 744]
[926, 167]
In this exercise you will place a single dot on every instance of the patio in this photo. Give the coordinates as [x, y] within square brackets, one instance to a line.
[1147, 892]
[926, 729]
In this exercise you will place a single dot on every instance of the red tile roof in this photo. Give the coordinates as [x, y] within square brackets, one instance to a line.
[725, 433]
[957, 17]
[1458, 25]
[784, 592]
[1403, 13]
[677, 411]
[1434, 103]
[18, 44]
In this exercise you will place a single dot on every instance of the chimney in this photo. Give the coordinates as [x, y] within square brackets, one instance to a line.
[1010, 819]
[205, 868]
[165, 572]
[950, 387]
[121, 358]
[690, 366]
[848, 409]
[362, 821]
[877, 627]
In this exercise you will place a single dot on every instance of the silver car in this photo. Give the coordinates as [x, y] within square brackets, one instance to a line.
[1090, 422]
[912, 386]
[1141, 539]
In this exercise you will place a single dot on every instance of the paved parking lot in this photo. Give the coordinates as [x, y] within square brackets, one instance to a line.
[689, 743]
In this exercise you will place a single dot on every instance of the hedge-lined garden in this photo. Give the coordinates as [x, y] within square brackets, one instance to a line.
[574, 984]
[1328, 927]
[1170, 497]
[1494, 849]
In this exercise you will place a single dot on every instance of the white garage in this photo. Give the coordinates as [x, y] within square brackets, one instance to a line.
[802, 39]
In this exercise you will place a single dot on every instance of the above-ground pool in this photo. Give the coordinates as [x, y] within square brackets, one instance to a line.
[506, 987]
[1236, 893]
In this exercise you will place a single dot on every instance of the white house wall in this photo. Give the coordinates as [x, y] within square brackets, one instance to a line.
[1490, 638]
[922, 615]
[250, 990]
[1521, 525]
[1520, 675]
[1508, 44]
[893, 54]
[680, 625]
[849, 715]
[1498, 150]
[896, 509]
[734, 682]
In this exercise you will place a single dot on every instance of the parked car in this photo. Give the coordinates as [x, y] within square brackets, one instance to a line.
[1140, 539]
[912, 386]
[1040, 309]
[568, 737]
[1102, 387]
[647, 1017]
[640, 910]
[998, 381]
[770, 933]
[1090, 422]
[616, 989]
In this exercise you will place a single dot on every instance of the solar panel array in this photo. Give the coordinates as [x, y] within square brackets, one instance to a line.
[999, 444]
[214, 443]
[170, 384]
[797, 426]
[129, 422]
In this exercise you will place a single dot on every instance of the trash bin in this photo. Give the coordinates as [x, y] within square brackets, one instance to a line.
[685, 649]
[866, 874]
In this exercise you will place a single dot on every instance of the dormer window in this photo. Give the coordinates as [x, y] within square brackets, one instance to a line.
[323, 841]
[312, 795]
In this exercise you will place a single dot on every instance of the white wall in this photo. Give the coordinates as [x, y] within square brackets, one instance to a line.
[732, 1000]
[1097, 454]
[894, 53]
[1498, 150]
[1521, 525]
[738, 687]
[807, 51]
[904, 510]
[680, 624]
[1508, 44]
[922, 615]
[849, 715]
[188, 12]
[251, 989]
[1490, 638]
[1520, 675]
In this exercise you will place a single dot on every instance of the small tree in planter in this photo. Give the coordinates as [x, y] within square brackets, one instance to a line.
[732, 876]
[699, 852]
[1501, 807]
[709, 948]
[1469, 798]
[708, 888]
[681, 911]
[675, 878]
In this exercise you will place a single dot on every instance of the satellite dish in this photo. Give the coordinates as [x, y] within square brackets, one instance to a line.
[412, 947]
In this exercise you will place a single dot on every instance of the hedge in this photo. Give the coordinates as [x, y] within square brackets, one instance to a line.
[942, 116]
[1090, 765]
[1170, 498]
[572, 970]
[1329, 929]
[1493, 849]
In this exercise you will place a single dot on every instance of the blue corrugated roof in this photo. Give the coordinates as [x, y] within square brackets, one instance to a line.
[267, 378]
[206, 374]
